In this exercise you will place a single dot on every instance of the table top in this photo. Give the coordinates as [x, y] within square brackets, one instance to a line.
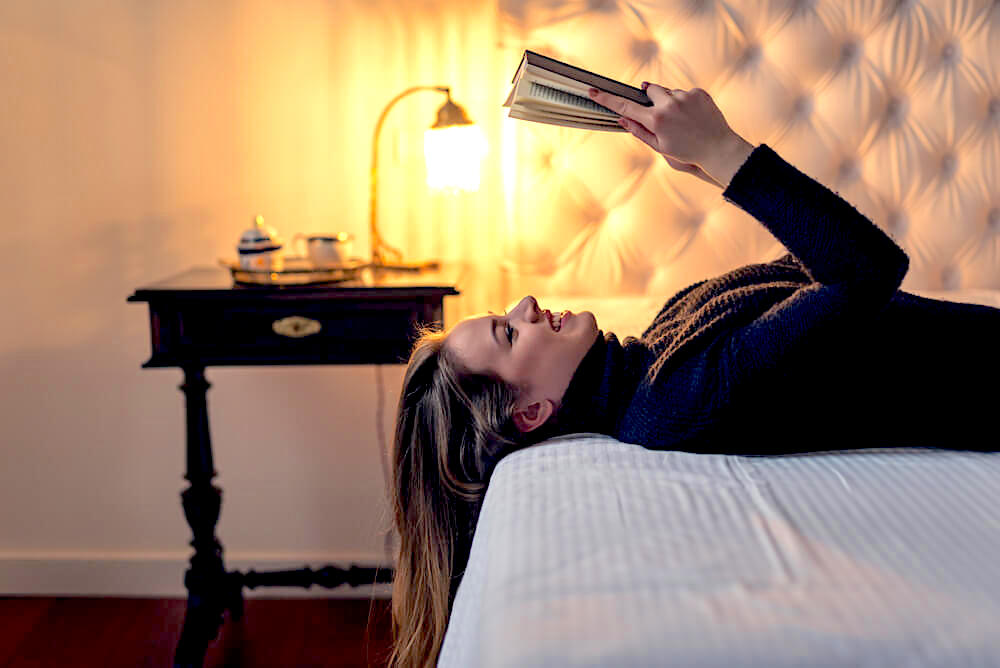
[215, 282]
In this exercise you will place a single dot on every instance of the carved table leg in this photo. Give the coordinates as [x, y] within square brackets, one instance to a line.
[210, 590]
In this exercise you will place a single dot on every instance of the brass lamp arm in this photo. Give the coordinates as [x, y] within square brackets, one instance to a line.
[377, 245]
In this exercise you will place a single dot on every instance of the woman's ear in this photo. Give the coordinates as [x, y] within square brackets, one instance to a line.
[533, 415]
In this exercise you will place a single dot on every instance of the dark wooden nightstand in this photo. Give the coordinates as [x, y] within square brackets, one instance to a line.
[199, 318]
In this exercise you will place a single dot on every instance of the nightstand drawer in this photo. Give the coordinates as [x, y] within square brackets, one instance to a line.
[290, 332]
[201, 318]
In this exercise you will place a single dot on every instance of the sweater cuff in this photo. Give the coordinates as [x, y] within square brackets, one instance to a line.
[761, 162]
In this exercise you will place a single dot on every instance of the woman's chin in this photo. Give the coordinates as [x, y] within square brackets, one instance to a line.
[589, 320]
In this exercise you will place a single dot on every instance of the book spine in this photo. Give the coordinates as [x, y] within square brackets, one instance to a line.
[589, 78]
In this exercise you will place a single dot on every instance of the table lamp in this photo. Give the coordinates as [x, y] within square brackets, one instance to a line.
[453, 149]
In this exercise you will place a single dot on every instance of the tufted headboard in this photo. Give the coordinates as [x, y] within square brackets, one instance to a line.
[895, 104]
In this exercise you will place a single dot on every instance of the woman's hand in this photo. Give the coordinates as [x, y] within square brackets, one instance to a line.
[686, 127]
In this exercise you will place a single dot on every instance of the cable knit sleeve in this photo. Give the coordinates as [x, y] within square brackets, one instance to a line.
[854, 266]
[833, 241]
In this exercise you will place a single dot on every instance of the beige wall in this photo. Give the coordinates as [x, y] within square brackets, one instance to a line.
[138, 139]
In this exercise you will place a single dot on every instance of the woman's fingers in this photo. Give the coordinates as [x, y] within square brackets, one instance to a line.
[684, 126]
[639, 131]
[621, 106]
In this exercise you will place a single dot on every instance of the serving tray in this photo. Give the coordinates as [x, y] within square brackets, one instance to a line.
[296, 271]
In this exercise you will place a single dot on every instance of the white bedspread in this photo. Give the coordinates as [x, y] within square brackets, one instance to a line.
[592, 552]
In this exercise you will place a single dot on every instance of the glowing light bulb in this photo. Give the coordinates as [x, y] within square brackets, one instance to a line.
[454, 155]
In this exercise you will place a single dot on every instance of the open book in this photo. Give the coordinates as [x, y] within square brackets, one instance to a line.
[547, 90]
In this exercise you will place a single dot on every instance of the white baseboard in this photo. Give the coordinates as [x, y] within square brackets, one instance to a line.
[161, 575]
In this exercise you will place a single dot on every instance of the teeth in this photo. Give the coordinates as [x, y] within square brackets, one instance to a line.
[556, 320]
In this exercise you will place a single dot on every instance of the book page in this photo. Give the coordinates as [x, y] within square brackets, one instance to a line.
[562, 83]
[541, 107]
[555, 80]
[526, 76]
[542, 98]
[561, 98]
[539, 110]
[548, 118]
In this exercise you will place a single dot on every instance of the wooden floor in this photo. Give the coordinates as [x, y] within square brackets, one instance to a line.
[120, 632]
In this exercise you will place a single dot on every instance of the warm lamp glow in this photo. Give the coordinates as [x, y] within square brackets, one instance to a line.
[453, 149]
[453, 155]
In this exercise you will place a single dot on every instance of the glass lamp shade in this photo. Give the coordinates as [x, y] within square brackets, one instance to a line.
[454, 155]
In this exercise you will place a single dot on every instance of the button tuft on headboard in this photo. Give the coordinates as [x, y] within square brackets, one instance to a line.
[545, 159]
[850, 52]
[950, 278]
[950, 53]
[848, 170]
[993, 109]
[895, 223]
[803, 106]
[596, 215]
[641, 159]
[993, 219]
[751, 56]
[601, 5]
[645, 50]
[803, 6]
[700, 6]
[949, 163]
[895, 110]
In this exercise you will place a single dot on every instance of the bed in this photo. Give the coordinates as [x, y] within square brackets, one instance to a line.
[589, 551]
[593, 552]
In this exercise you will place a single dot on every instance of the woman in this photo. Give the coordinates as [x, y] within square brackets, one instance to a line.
[816, 350]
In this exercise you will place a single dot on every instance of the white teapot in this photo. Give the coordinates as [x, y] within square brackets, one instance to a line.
[260, 248]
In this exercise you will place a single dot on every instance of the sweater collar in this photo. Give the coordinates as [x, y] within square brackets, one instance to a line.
[600, 389]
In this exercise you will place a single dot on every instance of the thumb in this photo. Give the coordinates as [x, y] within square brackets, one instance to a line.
[639, 131]
[657, 93]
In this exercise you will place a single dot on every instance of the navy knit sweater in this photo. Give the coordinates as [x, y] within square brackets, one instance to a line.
[817, 350]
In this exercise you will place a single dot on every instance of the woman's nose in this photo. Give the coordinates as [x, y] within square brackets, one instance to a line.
[523, 310]
[531, 311]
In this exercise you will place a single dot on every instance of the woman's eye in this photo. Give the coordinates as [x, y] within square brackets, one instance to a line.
[510, 333]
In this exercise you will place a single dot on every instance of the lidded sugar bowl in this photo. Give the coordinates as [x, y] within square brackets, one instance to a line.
[260, 248]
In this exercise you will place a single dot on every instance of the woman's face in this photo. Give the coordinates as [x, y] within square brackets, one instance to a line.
[528, 348]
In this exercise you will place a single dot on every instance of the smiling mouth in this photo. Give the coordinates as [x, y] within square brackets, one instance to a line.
[555, 321]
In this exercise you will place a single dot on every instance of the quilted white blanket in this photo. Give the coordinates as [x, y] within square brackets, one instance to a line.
[593, 552]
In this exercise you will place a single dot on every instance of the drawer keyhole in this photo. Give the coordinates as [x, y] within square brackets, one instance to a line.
[295, 326]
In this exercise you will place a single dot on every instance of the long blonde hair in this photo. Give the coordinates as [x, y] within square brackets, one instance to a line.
[452, 427]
